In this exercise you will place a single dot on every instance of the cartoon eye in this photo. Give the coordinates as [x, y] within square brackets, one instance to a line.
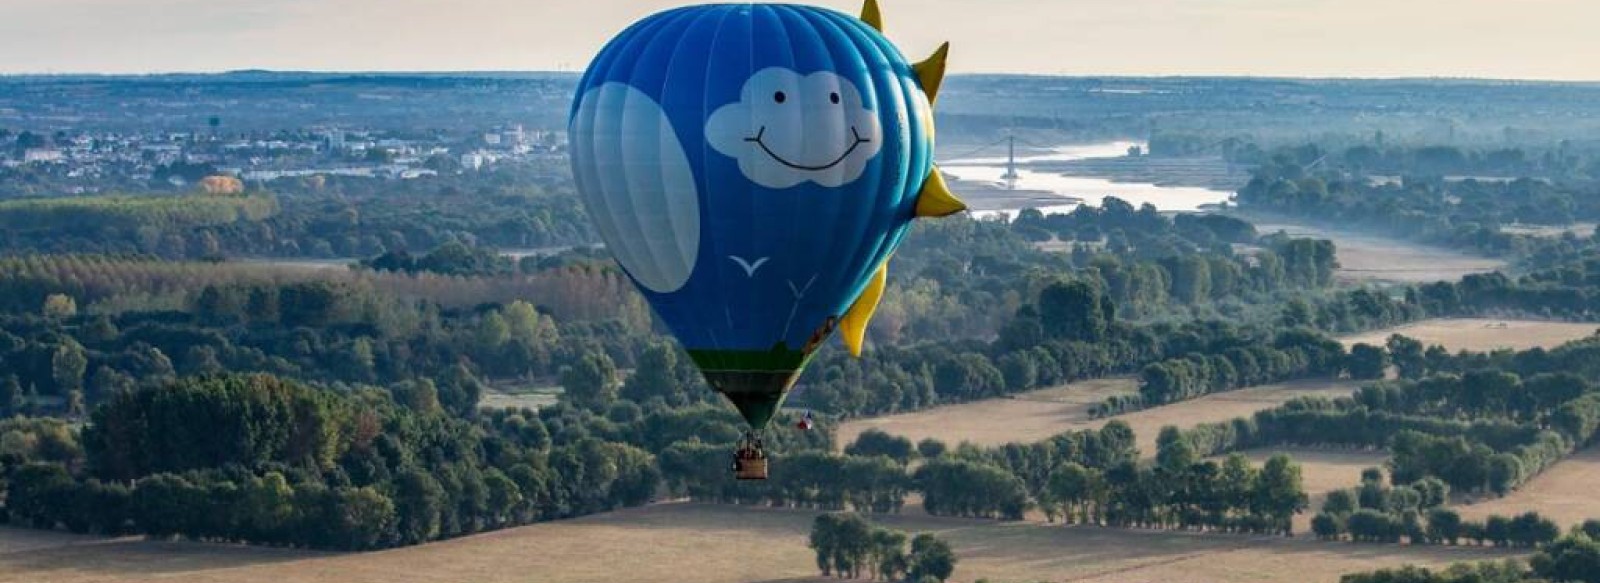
[780, 97]
[834, 97]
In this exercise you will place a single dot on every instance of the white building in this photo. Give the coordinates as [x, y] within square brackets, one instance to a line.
[42, 155]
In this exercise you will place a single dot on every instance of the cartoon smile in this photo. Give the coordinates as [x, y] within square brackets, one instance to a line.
[789, 129]
[760, 142]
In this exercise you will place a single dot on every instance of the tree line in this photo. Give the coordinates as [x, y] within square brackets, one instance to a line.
[1486, 430]
[258, 459]
[1573, 558]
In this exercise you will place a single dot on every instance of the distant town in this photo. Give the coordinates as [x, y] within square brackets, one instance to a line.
[178, 159]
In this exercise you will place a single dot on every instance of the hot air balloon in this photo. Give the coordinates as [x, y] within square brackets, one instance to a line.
[752, 168]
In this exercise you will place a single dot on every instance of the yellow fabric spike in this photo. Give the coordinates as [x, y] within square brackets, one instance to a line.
[936, 200]
[872, 16]
[853, 328]
[931, 72]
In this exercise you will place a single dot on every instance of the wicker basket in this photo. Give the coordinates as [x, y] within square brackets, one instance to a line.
[752, 469]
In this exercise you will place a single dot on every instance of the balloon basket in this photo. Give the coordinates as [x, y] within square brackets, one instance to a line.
[751, 469]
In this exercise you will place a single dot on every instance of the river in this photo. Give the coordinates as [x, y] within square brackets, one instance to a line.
[1091, 191]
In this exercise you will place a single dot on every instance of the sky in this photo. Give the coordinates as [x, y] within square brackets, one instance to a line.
[1507, 39]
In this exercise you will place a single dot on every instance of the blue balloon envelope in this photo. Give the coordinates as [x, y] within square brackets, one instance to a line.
[752, 167]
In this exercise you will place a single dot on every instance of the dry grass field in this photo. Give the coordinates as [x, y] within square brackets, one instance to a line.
[1363, 257]
[717, 544]
[1038, 415]
[1565, 493]
[1481, 334]
[1025, 417]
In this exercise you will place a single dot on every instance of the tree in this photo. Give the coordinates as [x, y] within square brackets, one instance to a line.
[1407, 355]
[1075, 310]
[67, 366]
[1497, 530]
[1444, 526]
[1173, 451]
[493, 332]
[1367, 362]
[889, 552]
[1339, 503]
[362, 519]
[874, 442]
[845, 543]
[419, 500]
[38, 493]
[1279, 493]
[930, 448]
[930, 557]
[1073, 487]
[591, 383]
[1325, 526]
[656, 376]
[60, 306]
[459, 390]
[11, 397]
[1575, 558]
[420, 395]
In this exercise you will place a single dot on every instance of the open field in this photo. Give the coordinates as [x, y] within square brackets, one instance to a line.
[720, 544]
[519, 396]
[1038, 415]
[1481, 334]
[1365, 257]
[1564, 493]
[1032, 416]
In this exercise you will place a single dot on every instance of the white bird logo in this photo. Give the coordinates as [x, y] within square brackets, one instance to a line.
[749, 268]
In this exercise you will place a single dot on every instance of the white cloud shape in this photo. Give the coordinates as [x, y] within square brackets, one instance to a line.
[787, 129]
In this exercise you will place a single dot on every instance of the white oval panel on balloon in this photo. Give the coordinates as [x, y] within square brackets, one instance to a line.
[637, 185]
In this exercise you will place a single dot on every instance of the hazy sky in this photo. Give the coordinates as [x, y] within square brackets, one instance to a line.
[1537, 39]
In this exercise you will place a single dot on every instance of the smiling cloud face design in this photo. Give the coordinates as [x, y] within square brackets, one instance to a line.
[789, 128]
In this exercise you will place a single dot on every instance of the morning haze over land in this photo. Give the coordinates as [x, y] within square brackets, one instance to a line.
[1215, 311]
[1537, 39]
